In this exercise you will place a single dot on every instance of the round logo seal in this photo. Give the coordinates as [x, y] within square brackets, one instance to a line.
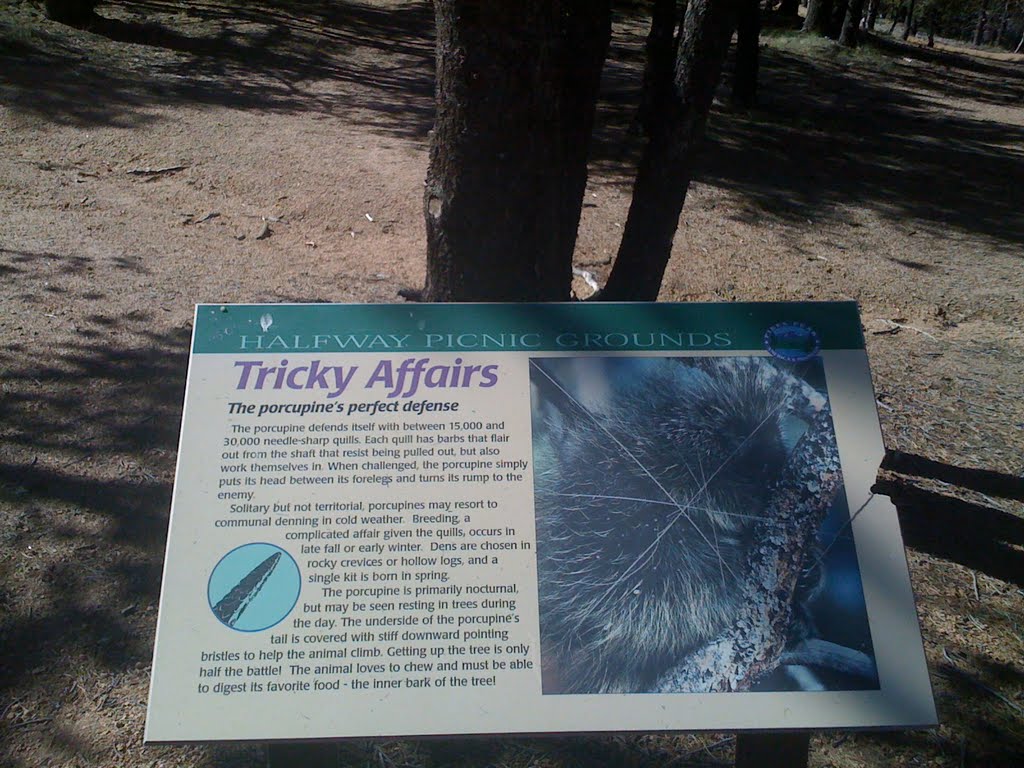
[792, 342]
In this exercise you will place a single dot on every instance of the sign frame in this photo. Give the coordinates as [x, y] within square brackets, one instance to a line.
[281, 367]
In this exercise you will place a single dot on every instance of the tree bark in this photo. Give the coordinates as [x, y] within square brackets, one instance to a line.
[850, 34]
[72, 12]
[909, 21]
[748, 32]
[788, 9]
[979, 30]
[818, 14]
[666, 166]
[753, 646]
[835, 23]
[659, 57]
[517, 85]
[872, 14]
[1004, 22]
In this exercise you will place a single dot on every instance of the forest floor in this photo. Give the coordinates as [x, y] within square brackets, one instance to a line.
[275, 152]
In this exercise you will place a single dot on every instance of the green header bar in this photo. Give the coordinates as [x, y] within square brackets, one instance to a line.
[578, 326]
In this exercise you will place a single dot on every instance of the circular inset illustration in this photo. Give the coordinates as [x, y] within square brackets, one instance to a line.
[254, 587]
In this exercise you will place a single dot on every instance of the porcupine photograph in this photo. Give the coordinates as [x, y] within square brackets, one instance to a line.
[650, 475]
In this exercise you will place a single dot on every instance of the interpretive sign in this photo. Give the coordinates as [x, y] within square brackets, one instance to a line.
[426, 519]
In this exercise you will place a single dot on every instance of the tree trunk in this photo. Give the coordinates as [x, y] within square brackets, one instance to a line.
[979, 31]
[849, 36]
[748, 32]
[72, 12]
[895, 17]
[835, 23]
[667, 162]
[872, 14]
[788, 10]
[517, 85]
[909, 21]
[1004, 22]
[659, 56]
[818, 14]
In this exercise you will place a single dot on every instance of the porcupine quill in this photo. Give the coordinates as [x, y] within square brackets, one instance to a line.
[229, 609]
[645, 498]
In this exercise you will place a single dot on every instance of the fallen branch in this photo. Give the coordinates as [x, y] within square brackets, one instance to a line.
[815, 652]
[155, 171]
[895, 327]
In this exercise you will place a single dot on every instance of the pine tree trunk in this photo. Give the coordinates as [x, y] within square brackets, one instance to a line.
[72, 12]
[850, 34]
[788, 9]
[909, 21]
[666, 166]
[659, 56]
[872, 14]
[1004, 22]
[748, 32]
[979, 31]
[517, 85]
[835, 22]
[819, 12]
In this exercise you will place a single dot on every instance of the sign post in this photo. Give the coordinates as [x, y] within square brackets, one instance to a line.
[421, 520]
[768, 750]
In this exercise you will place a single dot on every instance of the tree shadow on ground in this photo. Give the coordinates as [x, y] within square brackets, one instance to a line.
[983, 539]
[88, 431]
[973, 64]
[986, 539]
[978, 537]
[373, 65]
[835, 131]
[85, 480]
[832, 130]
[21, 263]
[969, 700]
[617, 751]
[829, 135]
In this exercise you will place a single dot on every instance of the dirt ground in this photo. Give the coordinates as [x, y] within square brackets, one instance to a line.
[252, 152]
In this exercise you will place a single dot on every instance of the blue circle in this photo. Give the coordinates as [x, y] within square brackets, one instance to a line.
[254, 587]
[792, 341]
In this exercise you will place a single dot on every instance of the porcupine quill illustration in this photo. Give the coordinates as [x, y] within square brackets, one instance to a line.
[649, 475]
[229, 609]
